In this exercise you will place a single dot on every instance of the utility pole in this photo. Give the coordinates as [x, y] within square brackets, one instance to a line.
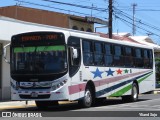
[91, 10]
[134, 27]
[110, 19]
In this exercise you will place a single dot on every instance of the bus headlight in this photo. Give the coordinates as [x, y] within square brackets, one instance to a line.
[15, 86]
[58, 85]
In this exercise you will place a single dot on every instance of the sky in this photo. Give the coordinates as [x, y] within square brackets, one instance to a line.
[147, 13]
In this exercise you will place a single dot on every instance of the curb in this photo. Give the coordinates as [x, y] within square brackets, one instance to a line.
[156, 92]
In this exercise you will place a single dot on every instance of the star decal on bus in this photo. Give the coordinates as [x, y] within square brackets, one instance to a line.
[97, 73]
[126, 71]
[119, 71]
[110, 72]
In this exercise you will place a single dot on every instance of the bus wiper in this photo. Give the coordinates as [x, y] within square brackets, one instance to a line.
[23, 48]
[41, 48]
[45, 48]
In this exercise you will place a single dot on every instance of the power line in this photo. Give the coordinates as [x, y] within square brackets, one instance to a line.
[52, 7]
[136, 19]
[80, 6]
[66, 10]
[137, 26]
[150, 10]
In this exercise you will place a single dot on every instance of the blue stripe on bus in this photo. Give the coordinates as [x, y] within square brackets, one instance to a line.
[109, 89]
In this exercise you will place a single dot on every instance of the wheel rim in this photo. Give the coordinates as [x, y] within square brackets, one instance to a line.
[135, 94]
[88, 98]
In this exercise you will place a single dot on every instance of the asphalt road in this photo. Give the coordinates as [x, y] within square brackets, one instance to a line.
[147, 108]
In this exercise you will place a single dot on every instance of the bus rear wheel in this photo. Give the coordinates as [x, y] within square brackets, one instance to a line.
[46, 104]
[134, 94]
[88, 98]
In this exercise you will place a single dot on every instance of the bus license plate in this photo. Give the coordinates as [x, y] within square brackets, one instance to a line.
[34, 94]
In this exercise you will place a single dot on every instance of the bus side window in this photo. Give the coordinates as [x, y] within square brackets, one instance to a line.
[150, 58]
[98, 54]
[128, 58]
[87, 53]
[118, 56]
[108, 57]
[138, 58]
[146, 58]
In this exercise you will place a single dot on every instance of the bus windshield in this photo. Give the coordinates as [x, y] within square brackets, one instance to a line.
[39, 59]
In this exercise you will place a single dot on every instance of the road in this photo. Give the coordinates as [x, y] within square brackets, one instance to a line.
[148, 106]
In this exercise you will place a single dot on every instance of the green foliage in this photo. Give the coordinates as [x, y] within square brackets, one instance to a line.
[157, 59]
[157, 70]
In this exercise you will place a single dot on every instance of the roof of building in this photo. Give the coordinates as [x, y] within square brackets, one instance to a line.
[75, 17]
[147, 41]
[118, 37]
[142, 38]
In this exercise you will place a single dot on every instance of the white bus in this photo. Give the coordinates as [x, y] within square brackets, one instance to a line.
[59, 65]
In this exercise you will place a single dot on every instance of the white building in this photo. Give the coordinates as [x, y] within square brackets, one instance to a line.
[147, 41]
[9, 27]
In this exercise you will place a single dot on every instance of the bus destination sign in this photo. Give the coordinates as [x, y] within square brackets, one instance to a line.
[39, 38]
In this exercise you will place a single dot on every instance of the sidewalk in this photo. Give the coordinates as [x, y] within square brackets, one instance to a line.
[15, 104]
[22, 104]
[156, 91]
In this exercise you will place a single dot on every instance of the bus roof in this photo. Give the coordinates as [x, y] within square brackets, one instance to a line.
[98, 38]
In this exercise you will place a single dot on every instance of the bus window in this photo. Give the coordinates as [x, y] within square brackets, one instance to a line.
[98, 54]
[146, 58]
[87, 53]
[118, 58]
[150, 59]
[138, 58]
[128, 56]
[108, 58]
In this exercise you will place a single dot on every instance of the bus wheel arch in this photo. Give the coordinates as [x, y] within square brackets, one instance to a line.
[89, 95]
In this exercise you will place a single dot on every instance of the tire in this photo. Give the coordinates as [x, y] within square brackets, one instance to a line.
[134, 94]
[88, 98]
[46, 104]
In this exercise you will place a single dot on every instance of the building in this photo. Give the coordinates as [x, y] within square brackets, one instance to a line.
[147, 41]
[50, 18]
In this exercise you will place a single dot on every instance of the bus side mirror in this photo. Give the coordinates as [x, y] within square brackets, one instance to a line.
[74, 53]
[5, 53]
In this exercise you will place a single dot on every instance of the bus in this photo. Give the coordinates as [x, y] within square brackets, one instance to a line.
[68, 65]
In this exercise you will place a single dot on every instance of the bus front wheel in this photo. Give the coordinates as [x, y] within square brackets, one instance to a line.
[87, 100]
